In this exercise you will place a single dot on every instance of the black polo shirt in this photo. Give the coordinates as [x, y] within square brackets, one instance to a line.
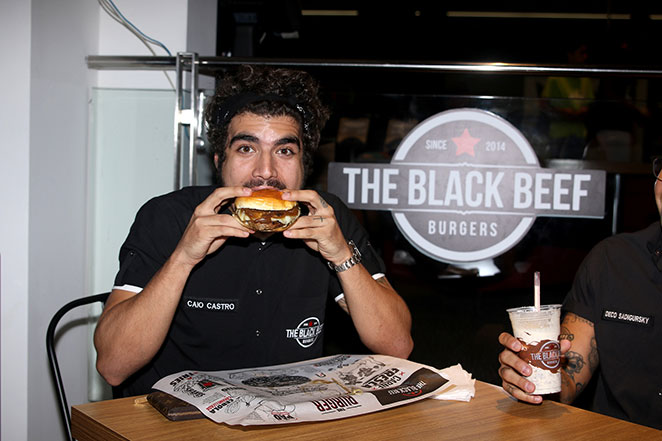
[619, 288]
[250, 304]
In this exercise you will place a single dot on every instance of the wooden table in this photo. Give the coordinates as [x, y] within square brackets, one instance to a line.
[490, 415]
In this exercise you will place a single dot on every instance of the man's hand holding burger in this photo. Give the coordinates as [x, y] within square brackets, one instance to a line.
[207, 231]
[320, 229]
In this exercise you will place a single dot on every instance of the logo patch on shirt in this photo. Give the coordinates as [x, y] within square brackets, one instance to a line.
[626, 317]
[307, 332]
[214, 305]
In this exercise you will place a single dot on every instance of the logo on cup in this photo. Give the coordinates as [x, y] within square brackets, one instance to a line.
[545, 354]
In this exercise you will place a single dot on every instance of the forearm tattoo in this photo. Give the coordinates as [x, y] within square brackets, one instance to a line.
[575, 363]
[565, 334]
[574, 318]
[580, 388]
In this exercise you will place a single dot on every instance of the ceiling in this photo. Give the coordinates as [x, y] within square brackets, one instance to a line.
[453, 31]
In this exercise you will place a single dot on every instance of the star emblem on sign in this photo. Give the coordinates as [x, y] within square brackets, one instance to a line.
[465, 143]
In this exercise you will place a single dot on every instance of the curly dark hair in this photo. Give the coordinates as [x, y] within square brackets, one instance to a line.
[272, 92]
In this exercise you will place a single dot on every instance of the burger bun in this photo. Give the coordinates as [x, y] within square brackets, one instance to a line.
[265, 211]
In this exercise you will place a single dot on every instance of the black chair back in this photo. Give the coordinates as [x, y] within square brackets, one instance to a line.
[52, 356]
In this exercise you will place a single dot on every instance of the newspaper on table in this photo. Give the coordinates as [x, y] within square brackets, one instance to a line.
[321, 389]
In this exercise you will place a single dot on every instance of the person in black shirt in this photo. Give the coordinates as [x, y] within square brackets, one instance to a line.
[609, 332]
[197, 290]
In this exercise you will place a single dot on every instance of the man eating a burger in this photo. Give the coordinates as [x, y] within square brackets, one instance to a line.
[238, 275]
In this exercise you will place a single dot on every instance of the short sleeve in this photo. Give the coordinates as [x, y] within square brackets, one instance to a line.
[150, 242]
[582, 298]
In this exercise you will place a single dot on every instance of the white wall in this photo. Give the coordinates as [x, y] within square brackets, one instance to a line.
[63, 33]
[15, 30]
[46, 85]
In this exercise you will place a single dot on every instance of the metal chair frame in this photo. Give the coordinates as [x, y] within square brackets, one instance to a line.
[52, 356]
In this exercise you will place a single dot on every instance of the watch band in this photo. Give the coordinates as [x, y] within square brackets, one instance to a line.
[347, 264]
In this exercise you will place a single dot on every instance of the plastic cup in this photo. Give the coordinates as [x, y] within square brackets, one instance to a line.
[538, 331]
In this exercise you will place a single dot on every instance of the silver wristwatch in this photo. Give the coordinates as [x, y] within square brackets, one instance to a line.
[347, 264]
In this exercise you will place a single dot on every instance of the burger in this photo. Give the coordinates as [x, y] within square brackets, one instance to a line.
[265, 211]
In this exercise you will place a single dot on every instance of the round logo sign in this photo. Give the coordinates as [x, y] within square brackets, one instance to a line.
[460, 209]
[465, 185]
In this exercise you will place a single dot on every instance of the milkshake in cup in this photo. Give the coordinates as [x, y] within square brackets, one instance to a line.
[538, 331]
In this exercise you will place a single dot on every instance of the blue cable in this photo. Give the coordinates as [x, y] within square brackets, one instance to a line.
[126, 20]
[151, 40]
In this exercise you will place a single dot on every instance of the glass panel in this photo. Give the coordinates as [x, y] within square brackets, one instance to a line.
[132, 159]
